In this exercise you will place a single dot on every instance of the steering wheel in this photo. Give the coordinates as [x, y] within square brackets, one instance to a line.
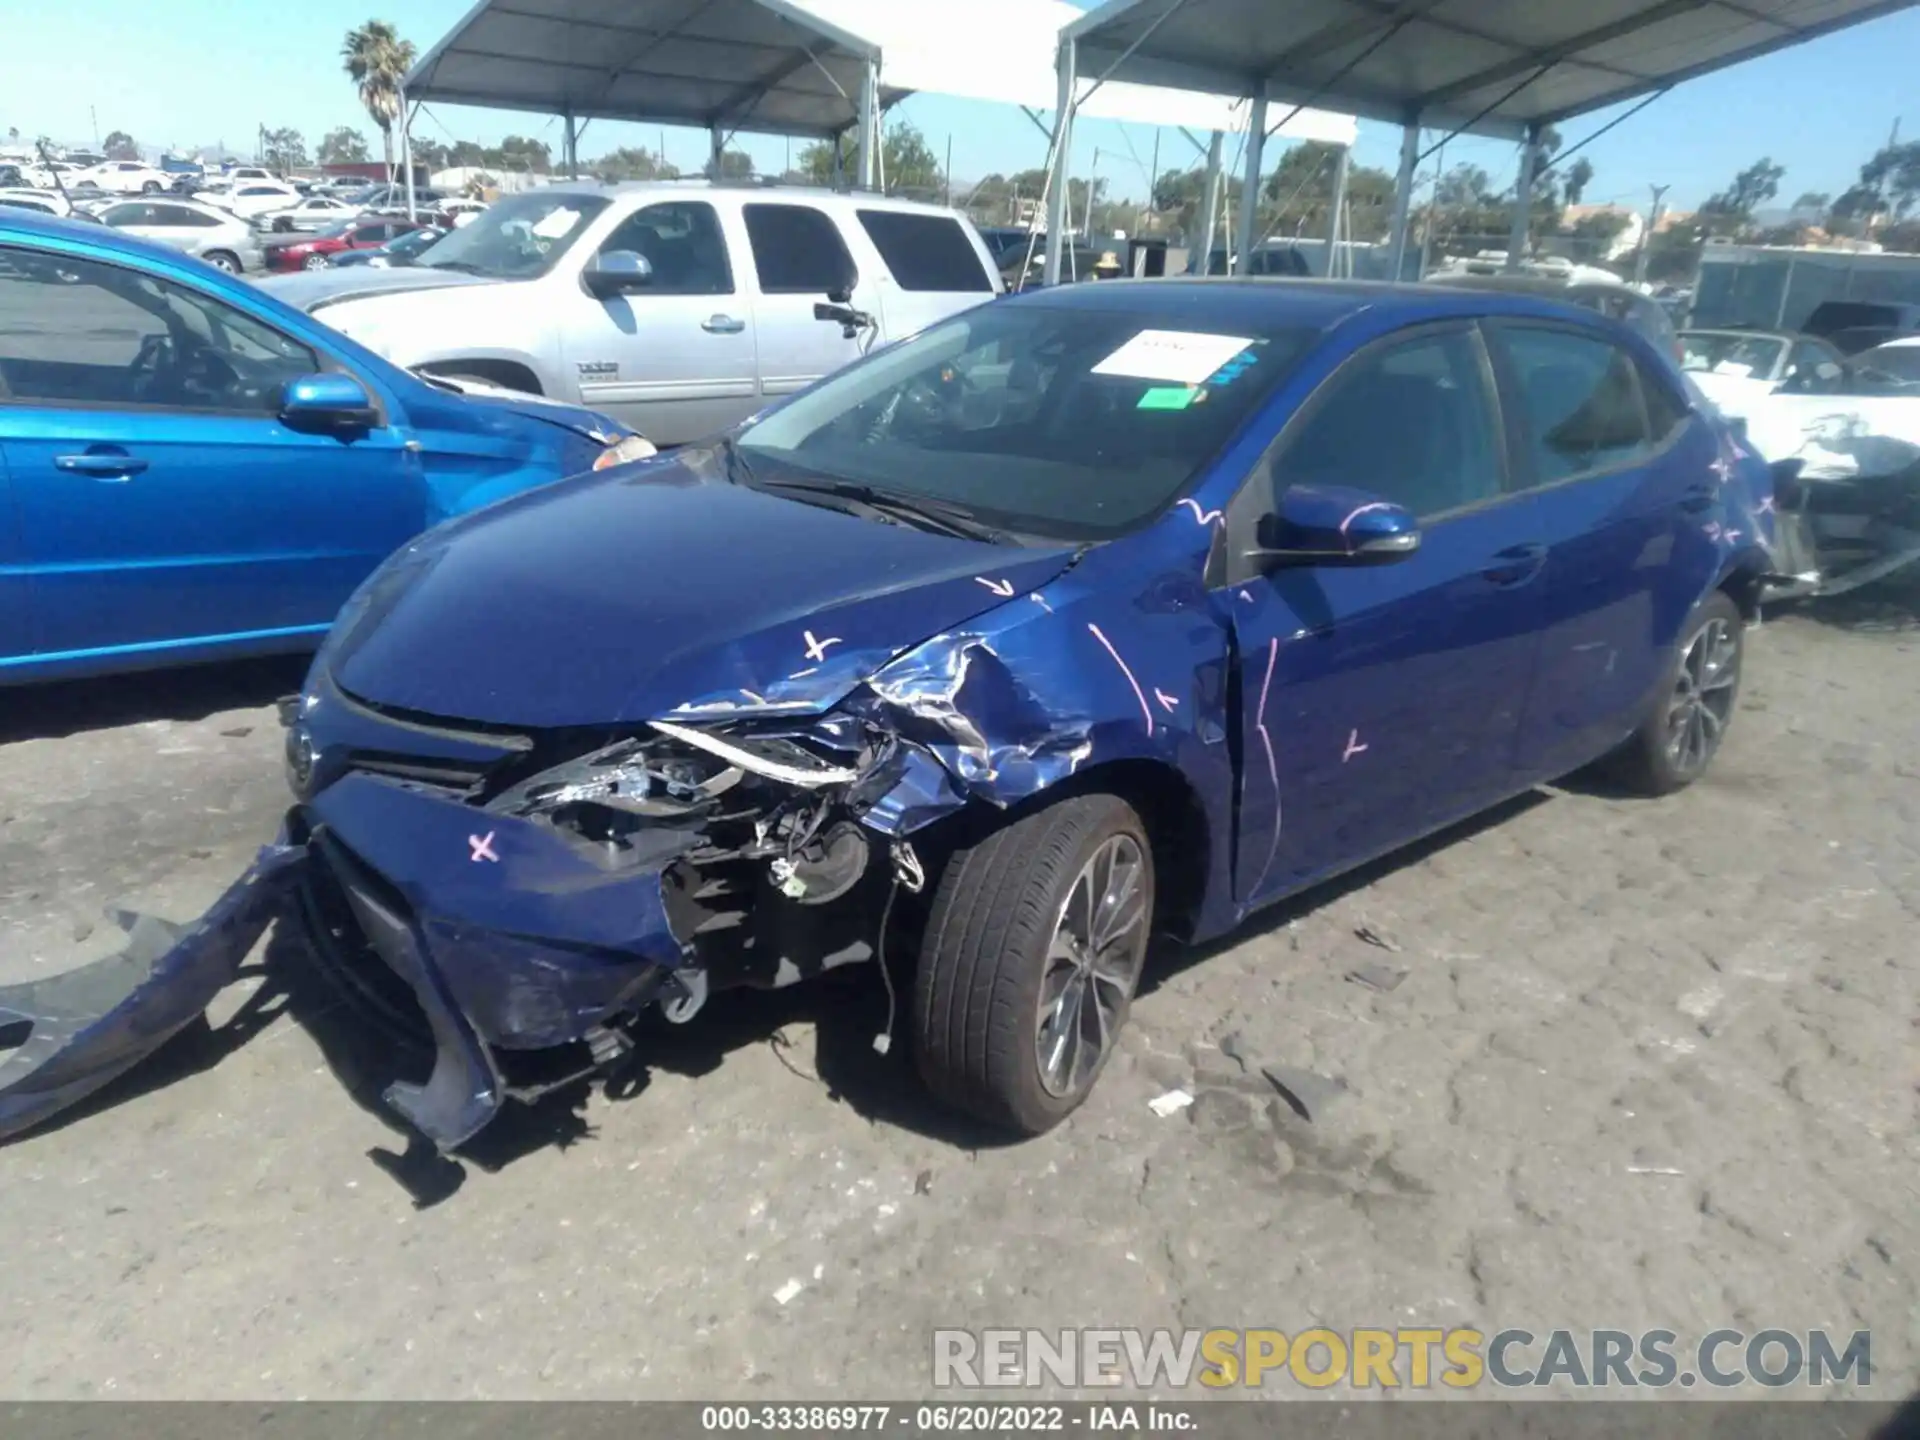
[155, 354]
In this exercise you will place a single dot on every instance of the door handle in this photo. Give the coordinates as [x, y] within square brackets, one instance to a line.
[1696, 498]
[1516, 565]
[100, 465]
[722, 325]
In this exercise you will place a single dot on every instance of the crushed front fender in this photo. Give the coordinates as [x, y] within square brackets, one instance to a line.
[91, 1025]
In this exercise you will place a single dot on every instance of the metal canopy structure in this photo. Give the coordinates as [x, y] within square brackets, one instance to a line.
[760, 66]
[1505, 68]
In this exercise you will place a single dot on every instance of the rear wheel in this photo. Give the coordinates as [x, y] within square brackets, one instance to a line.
[150, 187]
[223, 260]
[1677, 741]
[314, 262]
[1032, 950]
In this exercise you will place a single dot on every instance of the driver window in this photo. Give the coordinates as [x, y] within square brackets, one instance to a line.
[1411, 423]
[1803, 375]
[77, 332]
[681, 240]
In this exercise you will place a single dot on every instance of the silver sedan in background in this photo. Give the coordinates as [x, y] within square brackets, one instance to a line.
[217, 236]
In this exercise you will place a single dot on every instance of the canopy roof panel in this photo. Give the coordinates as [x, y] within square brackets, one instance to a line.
[1004, 51]
[764, 66]
[1492, 66]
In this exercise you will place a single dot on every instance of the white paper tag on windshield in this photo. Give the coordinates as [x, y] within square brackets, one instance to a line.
[1184, 357]
[556, 224]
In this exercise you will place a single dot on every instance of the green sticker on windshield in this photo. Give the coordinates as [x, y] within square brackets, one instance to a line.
[1167, 397]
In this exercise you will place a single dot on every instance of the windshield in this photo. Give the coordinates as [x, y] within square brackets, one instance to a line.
[412, 243]
[1719, 353]
[521, 237]
[1065, 422]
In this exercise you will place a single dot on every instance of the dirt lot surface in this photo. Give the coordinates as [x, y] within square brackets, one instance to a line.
[1649, 1064]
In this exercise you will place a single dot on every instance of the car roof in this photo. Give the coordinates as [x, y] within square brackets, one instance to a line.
[770, 193]
[1320, 304]
[32, 225]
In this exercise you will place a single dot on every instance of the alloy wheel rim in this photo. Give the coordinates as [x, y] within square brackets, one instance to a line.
[1702, 701]
[1093, 960]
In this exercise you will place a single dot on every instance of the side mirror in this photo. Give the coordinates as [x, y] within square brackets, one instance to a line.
[330, 404]
[616, 272]
[1332, 525]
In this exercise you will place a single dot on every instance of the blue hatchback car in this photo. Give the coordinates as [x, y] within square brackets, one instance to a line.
[1088, 613]
[191, 470]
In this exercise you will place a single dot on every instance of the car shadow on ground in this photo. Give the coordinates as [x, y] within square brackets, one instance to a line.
[193, 692]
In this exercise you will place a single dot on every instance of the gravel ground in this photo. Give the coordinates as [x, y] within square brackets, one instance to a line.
[1649, 1064]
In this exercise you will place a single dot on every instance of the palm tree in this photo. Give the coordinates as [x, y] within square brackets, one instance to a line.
[378, 60]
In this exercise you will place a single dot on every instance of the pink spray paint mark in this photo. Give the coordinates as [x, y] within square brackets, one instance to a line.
[1002, 588]
[1040, 600]
[1766, 505]
[817, 649]
[1354, 747]
[1138, 693]
[1733, 535]
[482, 848]
[1373, 505]
[1205, 517]
[1711, 530]
[1273, 765]
[1167, 702]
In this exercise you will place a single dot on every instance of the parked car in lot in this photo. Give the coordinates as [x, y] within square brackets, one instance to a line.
[46, 202]
[123, 177]
[309, 215]
[1734, 368]
[401, 250]
[249, 198]
[679, 308]
[314, 252]
[190, 470]
[1613, 299]
[216, 236]
[1856, 325]
[1096, 612]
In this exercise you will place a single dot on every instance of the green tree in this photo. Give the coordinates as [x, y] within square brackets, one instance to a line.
[1579, 176]
[631, 162]
[1730, 211]
[521, 152]
[1814, 200]
[377, 60]
[282, 150]
[428, 155]
[1893, 175]
[121, 146]
[343, 145]
[908, 162]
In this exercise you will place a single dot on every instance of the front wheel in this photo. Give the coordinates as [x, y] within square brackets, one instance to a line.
[151, 187]
[314, 262]
[1032, 950]
[1679, 738]
[222, 260]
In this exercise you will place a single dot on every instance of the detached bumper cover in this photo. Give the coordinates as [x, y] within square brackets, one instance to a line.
[89, 1026]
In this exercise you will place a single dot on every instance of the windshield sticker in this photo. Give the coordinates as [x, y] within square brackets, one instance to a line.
[1178, 357]
[1236, 367]
[553, 226]
[1167, 397]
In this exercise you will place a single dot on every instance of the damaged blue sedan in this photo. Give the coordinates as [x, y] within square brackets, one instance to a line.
[1088, 614]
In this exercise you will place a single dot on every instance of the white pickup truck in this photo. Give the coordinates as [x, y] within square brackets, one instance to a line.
[679, 308]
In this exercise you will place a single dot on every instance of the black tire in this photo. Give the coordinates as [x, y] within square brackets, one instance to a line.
[977, 998]
[224, 260]
[1651, 762]
[151, 187]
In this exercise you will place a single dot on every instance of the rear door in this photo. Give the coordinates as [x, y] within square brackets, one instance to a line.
[932, 268]
[799, 256]
[674, 360]
[1625, 475]
[1381, 702]
[159, 499]
[16, 589]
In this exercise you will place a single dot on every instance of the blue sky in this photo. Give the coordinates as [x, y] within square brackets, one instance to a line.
[193, 72]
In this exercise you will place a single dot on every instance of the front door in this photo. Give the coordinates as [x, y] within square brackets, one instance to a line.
[1379, 703]
[16, 590]
[674, 359]
[799, 258]
[159, 499]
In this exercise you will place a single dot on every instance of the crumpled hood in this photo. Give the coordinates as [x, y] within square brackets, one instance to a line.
[660, 590]
[321, 289]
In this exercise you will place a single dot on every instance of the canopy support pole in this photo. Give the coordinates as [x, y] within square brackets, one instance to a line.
[1204, 265]
[867, 150]
[1057, 212]
[1523, 199]
[1340, 167]
[716, 147]
[1403, 194]
[1250, 188]
[571, 143]
[406, 151]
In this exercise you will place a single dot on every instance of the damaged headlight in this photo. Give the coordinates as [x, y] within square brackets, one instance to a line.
[636, 777]
[622, 452]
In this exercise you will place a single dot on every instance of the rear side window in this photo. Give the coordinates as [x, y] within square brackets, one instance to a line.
[180, 215]
[925, 252]
[1579, 398]
[797, 250]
